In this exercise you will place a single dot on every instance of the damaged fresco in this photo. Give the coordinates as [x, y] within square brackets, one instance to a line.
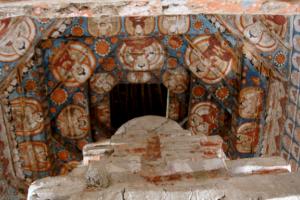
[290, 142]
[225, 75]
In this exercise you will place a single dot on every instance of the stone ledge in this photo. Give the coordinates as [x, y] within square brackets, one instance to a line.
[94, 8]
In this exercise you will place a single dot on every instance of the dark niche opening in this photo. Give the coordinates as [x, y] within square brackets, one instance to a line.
[128, 101]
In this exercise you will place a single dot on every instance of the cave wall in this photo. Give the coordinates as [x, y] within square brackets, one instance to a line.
[56, 75]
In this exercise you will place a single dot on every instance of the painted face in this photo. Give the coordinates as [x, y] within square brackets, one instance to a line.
[250, 102]
[203, 118]
[141, 55]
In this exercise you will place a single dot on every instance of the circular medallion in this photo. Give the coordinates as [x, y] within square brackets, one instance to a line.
[108, 64]
[102, 47]
[73, 122]
[203, 118]
[102, 82]
[34, 156]
[209, 59]
[247, 138]
[104, 26]
[255, 32]
[176, 80]
[139, 25]
[141, 55]
[28, 117]
[175, 42]
[59, 96]
[198, 91]
[73, 64]
[177, 24]
[16, 36]
[222, 93]
[279, 59]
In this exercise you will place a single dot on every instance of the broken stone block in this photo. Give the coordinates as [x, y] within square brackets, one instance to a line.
[262, 165]
[97, 175]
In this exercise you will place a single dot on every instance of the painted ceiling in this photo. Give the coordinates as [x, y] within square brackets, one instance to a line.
[235, 76]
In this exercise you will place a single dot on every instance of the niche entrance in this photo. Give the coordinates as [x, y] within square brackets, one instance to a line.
[128, 101]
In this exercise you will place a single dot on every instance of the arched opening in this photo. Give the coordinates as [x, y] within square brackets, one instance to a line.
[128, 101]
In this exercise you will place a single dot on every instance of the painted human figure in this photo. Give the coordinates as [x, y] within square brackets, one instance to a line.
[273, 126]
[247, 138]
[250, 102]
[203, 118]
